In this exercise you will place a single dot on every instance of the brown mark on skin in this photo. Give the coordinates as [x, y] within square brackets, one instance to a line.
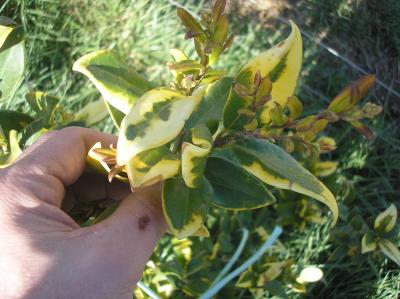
[143, 222]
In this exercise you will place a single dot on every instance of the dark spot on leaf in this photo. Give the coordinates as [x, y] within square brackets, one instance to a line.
[143, 222]
[161, 110]
[278, 69]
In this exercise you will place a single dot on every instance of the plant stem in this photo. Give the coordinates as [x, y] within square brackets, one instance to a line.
[257, 255]
[147, 290]
[234, 257]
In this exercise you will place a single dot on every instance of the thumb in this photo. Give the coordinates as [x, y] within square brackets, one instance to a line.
[128, 237]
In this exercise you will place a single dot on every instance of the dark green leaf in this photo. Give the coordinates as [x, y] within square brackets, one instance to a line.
[210, 109]
[185, 208]
[234, 187]
[13, 120]
[43, 104]
[275, 288]
[116, 115]
[275, 167]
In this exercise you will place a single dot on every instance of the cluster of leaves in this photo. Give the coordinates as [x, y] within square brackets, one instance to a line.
[206, 135]
[357, 238]
[17, 129]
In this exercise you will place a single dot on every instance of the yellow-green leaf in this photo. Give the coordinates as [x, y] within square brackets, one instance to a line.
[186, 66]
[295, 107]
[201, 232]
[118, 83]
[92, 113]
[188, 20]
[43, 104]
[185, 208]
[152, 166]
[353, 93]
[390, 250]
[116, 115]
[368, 243]
[14, 150]
[12, 60]
[289, 52]
[282, 63]
[178, 54]
[4, 33]
[324, 168]
[386, 220]
[156, 118]
[272, 165]
[194, 155]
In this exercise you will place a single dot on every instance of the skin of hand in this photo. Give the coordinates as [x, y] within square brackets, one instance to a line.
[44, 253]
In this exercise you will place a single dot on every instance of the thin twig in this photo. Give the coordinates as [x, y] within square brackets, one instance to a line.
[234, 257]
[255, 257]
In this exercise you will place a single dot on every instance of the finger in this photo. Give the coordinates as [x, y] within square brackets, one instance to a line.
[131, 233]
[62, 153]
[56, 160]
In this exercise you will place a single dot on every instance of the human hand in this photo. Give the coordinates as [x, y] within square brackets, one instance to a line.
[43, 251]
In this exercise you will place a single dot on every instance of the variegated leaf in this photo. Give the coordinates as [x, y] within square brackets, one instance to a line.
[275, 167]
[234, 187]
[368, 243]
[14, 120]
[352, 94]
[324, 168]
[210, 109]
[386, 220]
[201, 232]
[390, 250]
[116, 115]
[5, 31]
[156, 118]
[282, 64]
[178, 54]
[194, 155]
[92, 113]
[185, 208]
[152, 166]
[118, 83]
[14, 150]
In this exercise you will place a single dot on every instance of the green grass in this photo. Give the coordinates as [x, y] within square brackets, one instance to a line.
[367, 181]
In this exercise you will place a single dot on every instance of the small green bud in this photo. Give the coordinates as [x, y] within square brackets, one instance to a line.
[252, 125]
[371, 110]
[277, 116]
[295, 107]
[288, 145]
